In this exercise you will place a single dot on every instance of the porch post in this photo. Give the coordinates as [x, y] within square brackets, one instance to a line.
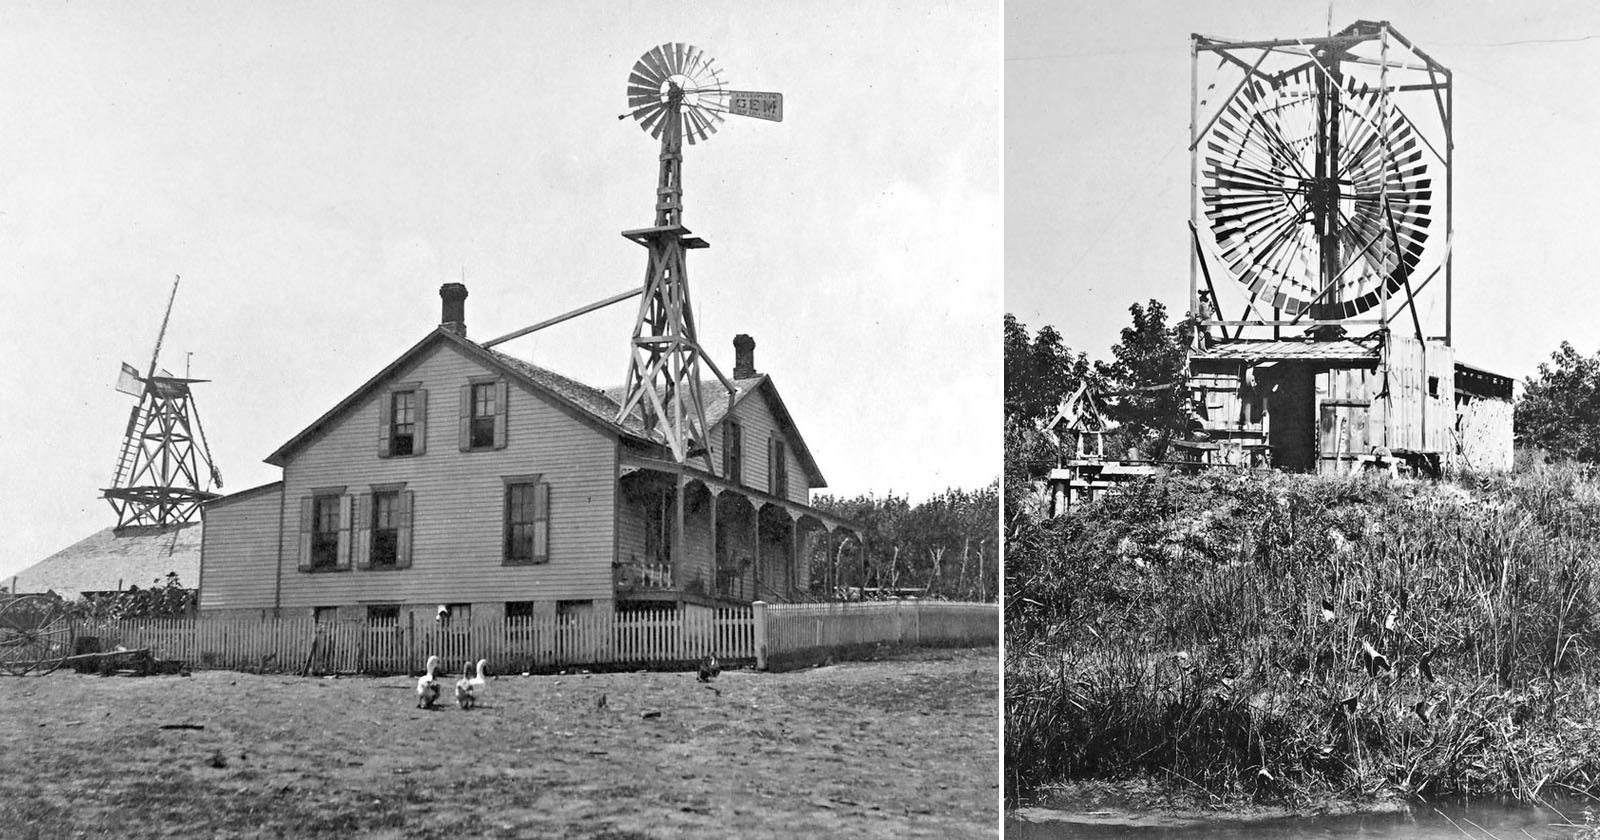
[758, 614]
[677, 538]
[755, 568]
[716, 555]
[794, 556]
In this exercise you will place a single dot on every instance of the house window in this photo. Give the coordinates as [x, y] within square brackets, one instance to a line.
[778, 475]
[325, 532]
[402, 422]
[384, 616]
[324, 615]
[527, 521]
[733, 451]
[385, 529]
[1433, 386]
[483, 412]
[521, 610]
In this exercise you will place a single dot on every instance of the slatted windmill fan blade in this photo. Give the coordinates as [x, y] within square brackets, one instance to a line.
[676, 82]
[1316, 192]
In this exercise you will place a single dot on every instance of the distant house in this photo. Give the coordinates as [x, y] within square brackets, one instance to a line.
[460, 476]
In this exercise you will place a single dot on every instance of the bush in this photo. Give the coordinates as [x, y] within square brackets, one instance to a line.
[1178, 631]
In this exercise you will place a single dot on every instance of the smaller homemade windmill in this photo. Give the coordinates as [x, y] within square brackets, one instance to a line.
[158, 479]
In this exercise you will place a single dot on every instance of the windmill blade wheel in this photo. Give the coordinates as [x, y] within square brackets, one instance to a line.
[36, 635]
[677, 81]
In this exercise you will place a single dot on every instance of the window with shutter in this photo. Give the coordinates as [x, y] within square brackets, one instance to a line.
[402, 421]
[483, 414]
[527, 524]
[385, 527]
[325, 531]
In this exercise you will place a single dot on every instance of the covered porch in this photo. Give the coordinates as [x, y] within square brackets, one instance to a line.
[686, 536]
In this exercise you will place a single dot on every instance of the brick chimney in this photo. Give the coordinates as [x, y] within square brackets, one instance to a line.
[744, 357]
[453, 313]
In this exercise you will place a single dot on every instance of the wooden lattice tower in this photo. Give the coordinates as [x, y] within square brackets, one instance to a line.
[159, 479]
[676, 93]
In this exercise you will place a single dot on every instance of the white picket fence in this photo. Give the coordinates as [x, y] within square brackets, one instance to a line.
[795, 631]
[661, 637]
[516, 644]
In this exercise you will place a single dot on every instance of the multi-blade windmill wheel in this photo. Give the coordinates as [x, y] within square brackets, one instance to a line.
[1317, 194]
[677, 80]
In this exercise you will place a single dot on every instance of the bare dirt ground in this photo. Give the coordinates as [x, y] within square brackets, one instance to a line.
[904, 747]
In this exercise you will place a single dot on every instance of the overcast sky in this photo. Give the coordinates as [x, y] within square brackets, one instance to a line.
[315, 171]
[1097, 167]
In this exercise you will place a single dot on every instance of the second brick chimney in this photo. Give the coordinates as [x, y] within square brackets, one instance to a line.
[453, 310]
[744, 357]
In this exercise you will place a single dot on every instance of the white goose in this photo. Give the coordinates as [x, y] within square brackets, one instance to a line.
[476, 684]
[428, 685]
[465, 697]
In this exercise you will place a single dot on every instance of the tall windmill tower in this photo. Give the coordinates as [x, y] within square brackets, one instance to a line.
[676, 92]
[159, 479]
[1320, 215]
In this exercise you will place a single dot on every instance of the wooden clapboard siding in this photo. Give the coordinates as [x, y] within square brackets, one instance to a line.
[759, 425]
[458, 497]
[239, 552]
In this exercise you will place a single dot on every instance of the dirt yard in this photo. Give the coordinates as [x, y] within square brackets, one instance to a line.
[904, 747]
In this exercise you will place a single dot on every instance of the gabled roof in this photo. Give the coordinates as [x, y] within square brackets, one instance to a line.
[581, 401]
[241, 495]
[108, 560]
[717, 409]
[590, 405]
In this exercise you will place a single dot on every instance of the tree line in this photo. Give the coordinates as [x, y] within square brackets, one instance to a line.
[945, 547]
[1145, 389]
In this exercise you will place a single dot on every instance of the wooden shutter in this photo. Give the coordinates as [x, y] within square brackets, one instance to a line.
[307, 517]
[402, 558]
[465, 425]
[541, 523]
[419, 438]
[362, 531]
[502, 396]
[346, 503]
[385, 424]
[772, 466]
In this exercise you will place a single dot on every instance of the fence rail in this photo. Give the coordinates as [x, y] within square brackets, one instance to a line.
[292, 645]
[513, 644]
[787, 634]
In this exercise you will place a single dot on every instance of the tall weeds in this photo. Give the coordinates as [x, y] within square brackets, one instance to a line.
[1179, 631]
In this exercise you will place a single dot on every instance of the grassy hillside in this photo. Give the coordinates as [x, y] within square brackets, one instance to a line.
[1228, 635]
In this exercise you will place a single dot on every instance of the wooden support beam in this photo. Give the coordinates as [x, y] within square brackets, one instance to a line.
[567, 316]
